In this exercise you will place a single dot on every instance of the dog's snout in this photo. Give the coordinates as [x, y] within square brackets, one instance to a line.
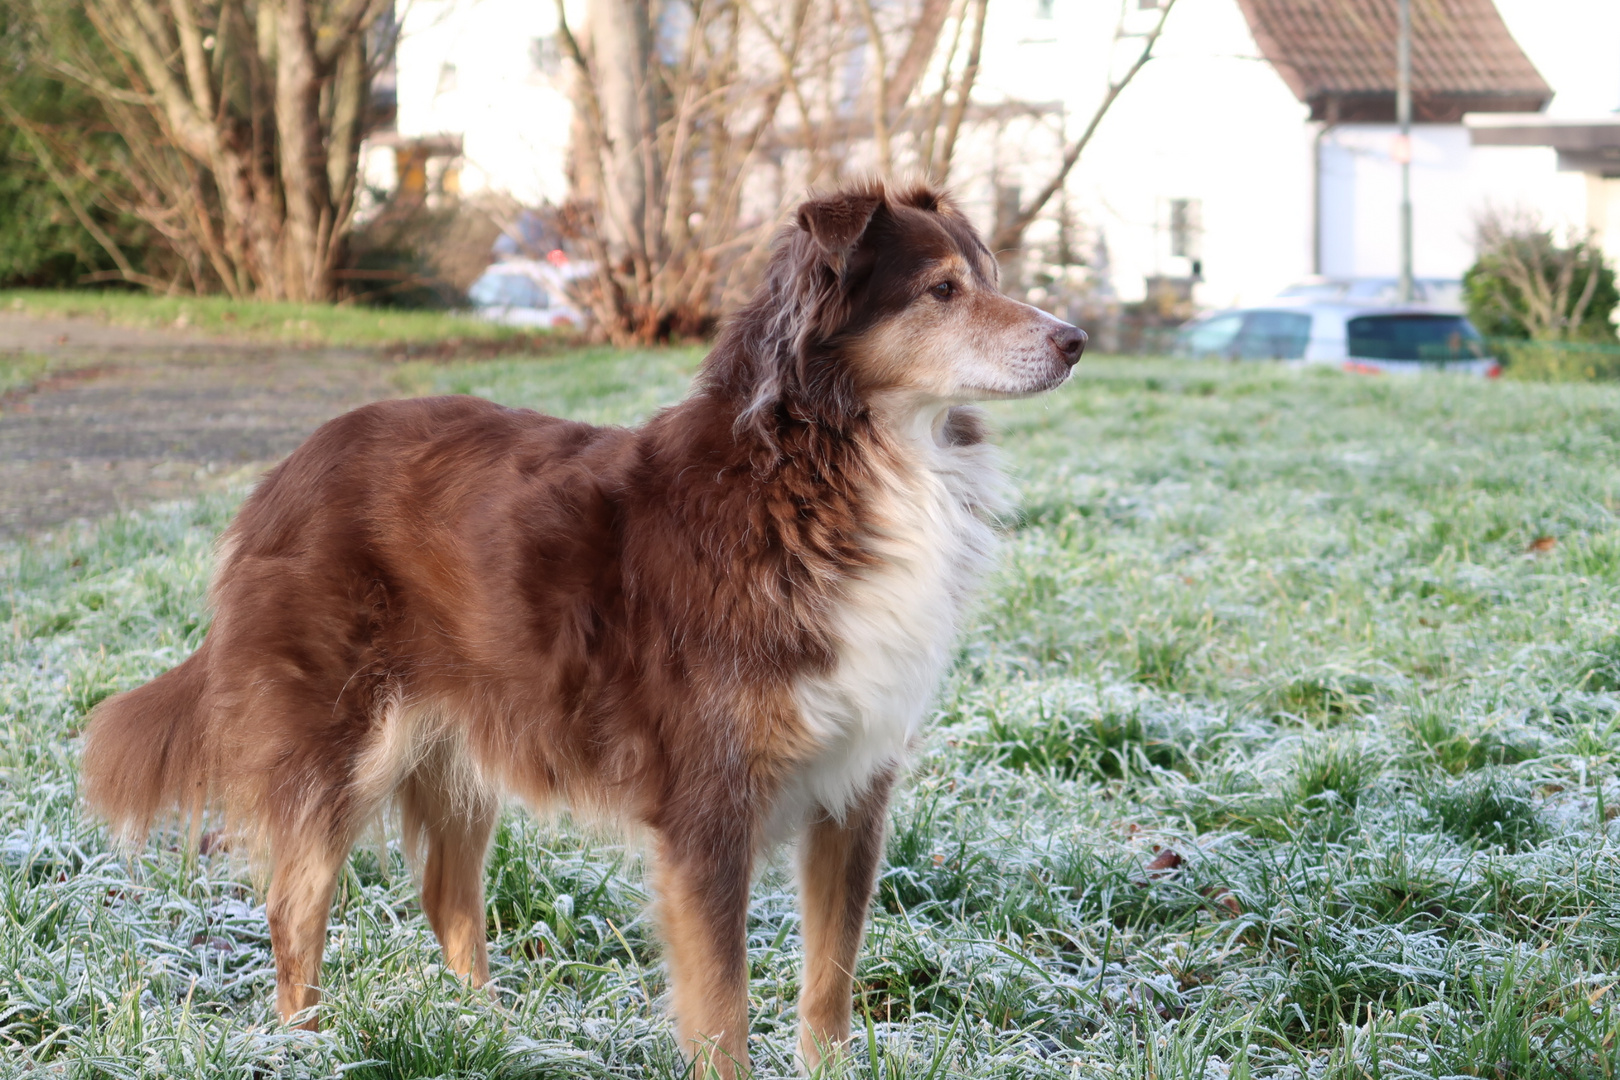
[1070, 341]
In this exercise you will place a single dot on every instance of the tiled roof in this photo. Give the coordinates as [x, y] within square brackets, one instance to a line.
[1338, 56]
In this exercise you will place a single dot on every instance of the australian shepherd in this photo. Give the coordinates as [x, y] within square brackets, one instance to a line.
[724, 626]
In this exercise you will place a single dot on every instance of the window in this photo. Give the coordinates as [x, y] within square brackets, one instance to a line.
[1274, 335]
[1212, 337]
[1186, 227]
[545, 58]
[508, 290]
[1043, 9]
[1413, 337]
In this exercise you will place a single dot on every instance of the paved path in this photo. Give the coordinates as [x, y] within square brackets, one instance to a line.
[129, 417]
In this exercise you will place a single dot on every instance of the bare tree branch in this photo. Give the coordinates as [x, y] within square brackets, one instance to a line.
[880, 89]
[1010, 235]
[940, 169]
[936, 104]
[48, 162]
[920, 48]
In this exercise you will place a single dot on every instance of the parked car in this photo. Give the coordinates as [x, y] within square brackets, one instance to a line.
[527, 292]
[1367, 338]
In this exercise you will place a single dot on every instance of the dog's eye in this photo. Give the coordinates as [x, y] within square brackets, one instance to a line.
[944, 290]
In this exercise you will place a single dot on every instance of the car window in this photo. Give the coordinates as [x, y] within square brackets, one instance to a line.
[508, 290]
[1214, 335]
[1413, 337]
[1274, 335]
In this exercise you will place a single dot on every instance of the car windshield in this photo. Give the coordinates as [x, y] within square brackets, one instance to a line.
[1213, 335]
[1249, 335]
[507, 290]
[1413, 337]
[1274, 335]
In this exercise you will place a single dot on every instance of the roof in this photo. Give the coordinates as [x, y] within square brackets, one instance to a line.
[1338, 57]
[1584, 144]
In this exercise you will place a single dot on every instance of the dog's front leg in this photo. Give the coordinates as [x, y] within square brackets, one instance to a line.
[837, 870]
[702, 881]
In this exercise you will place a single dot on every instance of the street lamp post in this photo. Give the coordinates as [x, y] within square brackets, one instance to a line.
[1403, 115]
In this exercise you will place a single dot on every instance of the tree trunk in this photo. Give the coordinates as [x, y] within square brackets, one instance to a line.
[621, 43]
[303, 158]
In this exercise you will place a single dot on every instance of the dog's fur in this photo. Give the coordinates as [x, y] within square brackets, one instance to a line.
[724, 626]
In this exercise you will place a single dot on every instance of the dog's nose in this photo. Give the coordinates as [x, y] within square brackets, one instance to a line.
[1070, 341]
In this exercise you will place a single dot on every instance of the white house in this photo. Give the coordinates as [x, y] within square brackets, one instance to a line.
[482, 91]
[1256, 149]
[1265, 128]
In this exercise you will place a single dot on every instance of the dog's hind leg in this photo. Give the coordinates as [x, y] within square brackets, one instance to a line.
[305, 866]
[456, 837]
[702, 885]
[837, 871]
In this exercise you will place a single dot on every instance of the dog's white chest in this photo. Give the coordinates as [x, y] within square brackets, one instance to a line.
[897, 623]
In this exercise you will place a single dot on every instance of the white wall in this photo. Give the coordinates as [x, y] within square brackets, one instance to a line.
[469, 67]
[1361, 192]
[1453, 184]
[1206, 119]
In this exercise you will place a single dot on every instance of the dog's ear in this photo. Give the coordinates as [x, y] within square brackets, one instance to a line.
[837, 222]
[924, 198]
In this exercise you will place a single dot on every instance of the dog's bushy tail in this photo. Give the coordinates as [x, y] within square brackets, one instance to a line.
[147, 753]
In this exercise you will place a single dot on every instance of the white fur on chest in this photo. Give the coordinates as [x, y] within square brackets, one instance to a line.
[896, 624]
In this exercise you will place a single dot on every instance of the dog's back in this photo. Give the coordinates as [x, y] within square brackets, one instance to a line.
[367, 575]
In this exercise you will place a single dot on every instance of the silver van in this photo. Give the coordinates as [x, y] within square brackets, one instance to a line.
[1368, 338]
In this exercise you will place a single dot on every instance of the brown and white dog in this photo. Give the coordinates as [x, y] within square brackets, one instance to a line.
[724, 626]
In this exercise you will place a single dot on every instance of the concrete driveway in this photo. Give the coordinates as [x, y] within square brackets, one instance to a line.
[127, 417]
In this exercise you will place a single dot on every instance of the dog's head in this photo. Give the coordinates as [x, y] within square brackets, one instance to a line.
[876, 294]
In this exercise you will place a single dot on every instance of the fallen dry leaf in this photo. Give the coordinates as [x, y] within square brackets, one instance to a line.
[1164, 861]
[1223, 898]
[1542, 544]
[218, 944]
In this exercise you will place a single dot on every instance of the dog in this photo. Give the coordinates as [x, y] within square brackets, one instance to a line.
[724, 626]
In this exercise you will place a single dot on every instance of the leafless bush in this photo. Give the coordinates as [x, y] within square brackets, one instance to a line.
[240, 124]
[413, 253]
[1530, 282]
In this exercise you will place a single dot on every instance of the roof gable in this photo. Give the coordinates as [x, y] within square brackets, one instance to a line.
[1338, 57]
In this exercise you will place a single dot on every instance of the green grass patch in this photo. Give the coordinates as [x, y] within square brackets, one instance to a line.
[1282, 744]
[260, 320]
[18, 372]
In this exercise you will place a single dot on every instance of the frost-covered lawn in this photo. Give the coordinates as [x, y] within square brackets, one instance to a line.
[1284, 744]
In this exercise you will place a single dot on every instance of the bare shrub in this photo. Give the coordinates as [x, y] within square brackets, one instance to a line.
[1529, 282]
[415, 254]
[239, 124]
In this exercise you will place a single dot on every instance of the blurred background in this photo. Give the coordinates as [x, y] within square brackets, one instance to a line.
[619, 167]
